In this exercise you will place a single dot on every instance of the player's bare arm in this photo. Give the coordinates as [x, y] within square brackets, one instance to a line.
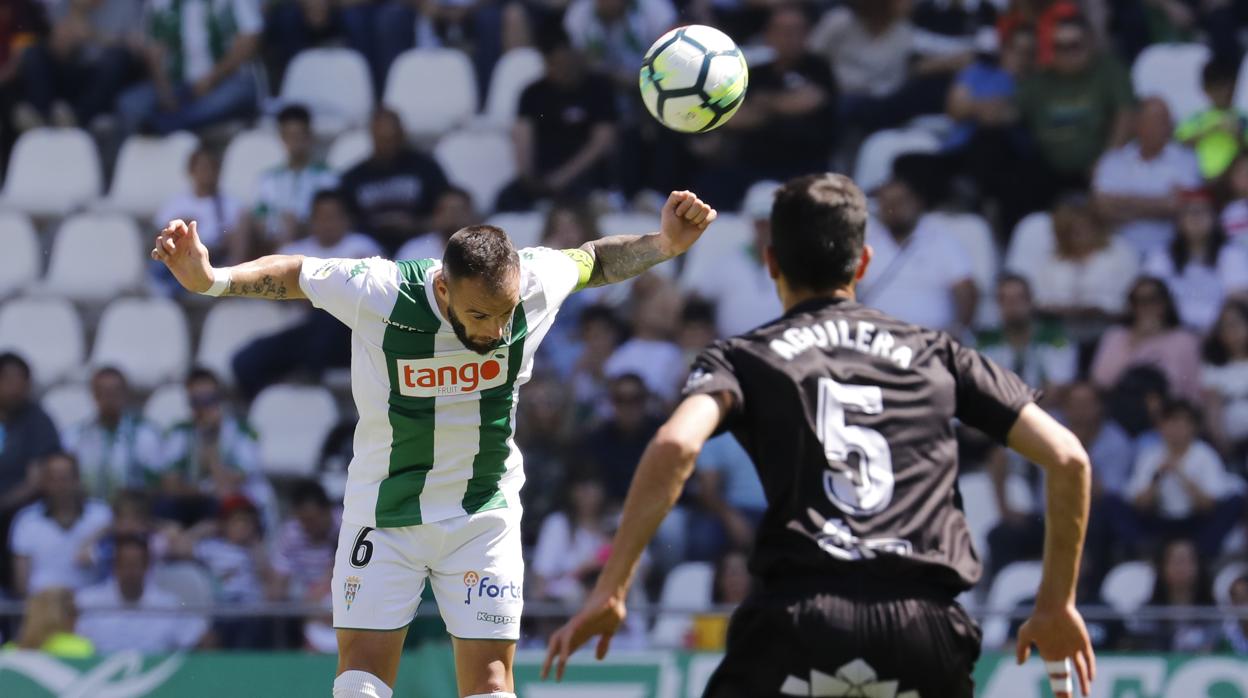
[665, 467]
[1055, 627]
[275, 277]
[622, 257]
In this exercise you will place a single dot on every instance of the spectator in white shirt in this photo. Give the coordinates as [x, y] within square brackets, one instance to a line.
[1084, 283]
[329, 231]
[116, 448]
[614, 34]
[1136, 186]
[284, 194]
[1180, 486]
[650, 353]
[919, 271]
[868, 43]
[46, 536]
[572, 543]
[216, 213]
[239, 565]
[1199, 267]
[108, 611]
[735, 280]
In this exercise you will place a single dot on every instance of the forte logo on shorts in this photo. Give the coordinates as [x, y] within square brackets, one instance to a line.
[454, 374]
[480, 587]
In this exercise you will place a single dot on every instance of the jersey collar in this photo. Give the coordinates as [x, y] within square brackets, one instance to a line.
[819, 303]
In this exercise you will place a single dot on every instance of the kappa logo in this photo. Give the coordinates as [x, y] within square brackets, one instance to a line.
[456, 374]
[350, 588]
[496, 618]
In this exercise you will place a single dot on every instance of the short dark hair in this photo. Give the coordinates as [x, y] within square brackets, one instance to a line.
[9, 358]
[1180, 408]
[294, 113]
[480, 252]
[817, 227]
[324, 195]
[199, 373]
[551, 37]
[1219, 70]
[697, 310]
[308, 492]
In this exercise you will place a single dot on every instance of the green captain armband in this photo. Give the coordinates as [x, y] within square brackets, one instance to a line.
[584, 266]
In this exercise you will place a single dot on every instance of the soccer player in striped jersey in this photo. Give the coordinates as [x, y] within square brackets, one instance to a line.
[439, 351]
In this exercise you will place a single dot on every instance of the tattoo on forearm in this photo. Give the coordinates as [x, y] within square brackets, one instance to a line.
[621, 257]
[268, 286]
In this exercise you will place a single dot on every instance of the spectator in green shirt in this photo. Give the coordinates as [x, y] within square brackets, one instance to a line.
[1220, 132]
[1075, 109]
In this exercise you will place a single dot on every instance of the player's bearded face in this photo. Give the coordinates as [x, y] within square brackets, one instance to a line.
[481, 315]
[481, 345]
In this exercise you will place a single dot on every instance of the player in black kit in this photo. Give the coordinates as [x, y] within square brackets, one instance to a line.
[848, 415]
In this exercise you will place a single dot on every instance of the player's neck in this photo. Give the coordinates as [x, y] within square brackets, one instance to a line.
[791, 298]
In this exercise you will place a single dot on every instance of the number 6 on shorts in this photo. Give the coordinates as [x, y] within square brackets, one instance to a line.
[362, 551]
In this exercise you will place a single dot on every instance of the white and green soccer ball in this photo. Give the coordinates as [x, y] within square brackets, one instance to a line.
[693, 78]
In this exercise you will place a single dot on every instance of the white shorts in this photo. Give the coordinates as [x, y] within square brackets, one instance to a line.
[474, 562]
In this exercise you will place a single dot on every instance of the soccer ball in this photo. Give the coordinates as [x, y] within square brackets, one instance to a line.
[693, 79]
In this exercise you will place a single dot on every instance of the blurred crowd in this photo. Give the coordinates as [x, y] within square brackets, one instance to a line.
[1121, 293]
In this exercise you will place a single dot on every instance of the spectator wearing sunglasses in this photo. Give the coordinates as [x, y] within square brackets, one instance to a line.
[1151, 335]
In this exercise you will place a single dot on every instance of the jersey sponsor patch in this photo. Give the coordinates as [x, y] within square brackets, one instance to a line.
[453, 374]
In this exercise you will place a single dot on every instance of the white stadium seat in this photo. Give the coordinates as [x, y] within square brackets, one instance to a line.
[433, 90]
[334, 84]
[234, 322]
[516, 70]
[52, 172]
[68, 405]
[1128, 586]
[524, 228]
[292, 422]
[349, 149]
[20, 263]
[95, 257]
[1031, 245]
[249, 154]
[149, 172]
[875, 158]
[47, 332]
[1014, 584]
[1172, 72]
[688, 586]
[186, 580]
[727, 232]
[627, 223]
[979, 505]
[976, 236]
[144, 338]
[167, 406]
[481, 162]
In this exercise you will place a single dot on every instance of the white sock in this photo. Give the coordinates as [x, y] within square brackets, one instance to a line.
[495, 694]
[360, 684]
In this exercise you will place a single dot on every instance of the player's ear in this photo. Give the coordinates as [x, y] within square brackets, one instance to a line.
[863, 262]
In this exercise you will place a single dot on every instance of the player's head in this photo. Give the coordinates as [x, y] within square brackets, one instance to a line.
[386, 128]
[330, 218]
[110, 392]
[817, 227]
[480, 284]
[294, 125]
[1014, 300]
[14, 381]
[1218, 79]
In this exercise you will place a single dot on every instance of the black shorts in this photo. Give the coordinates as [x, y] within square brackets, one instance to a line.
[794, 643]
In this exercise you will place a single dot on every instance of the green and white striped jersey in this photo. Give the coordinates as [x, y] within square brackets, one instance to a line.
[434, 440]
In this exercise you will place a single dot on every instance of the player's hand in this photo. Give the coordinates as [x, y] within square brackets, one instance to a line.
[1060, 635]
[602, 615]
[180, 248]
[683, 221]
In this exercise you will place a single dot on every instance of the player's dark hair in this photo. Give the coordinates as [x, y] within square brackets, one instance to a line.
[308, 492]
[1219, 71]
[199, 374]
[480, 252]
[294, 113]
[9, 358]
[817, 227]
[131, 540]
[1171, 317]
[1215, 351]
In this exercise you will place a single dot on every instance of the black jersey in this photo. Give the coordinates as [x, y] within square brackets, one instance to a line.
[848, 415]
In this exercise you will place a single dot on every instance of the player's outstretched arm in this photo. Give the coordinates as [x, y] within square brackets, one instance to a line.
[665, 466]
[179, 247]
[620, 257]
[1055, 626]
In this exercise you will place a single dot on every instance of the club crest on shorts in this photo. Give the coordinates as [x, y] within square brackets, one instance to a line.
[471, 578]
[350, 588]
